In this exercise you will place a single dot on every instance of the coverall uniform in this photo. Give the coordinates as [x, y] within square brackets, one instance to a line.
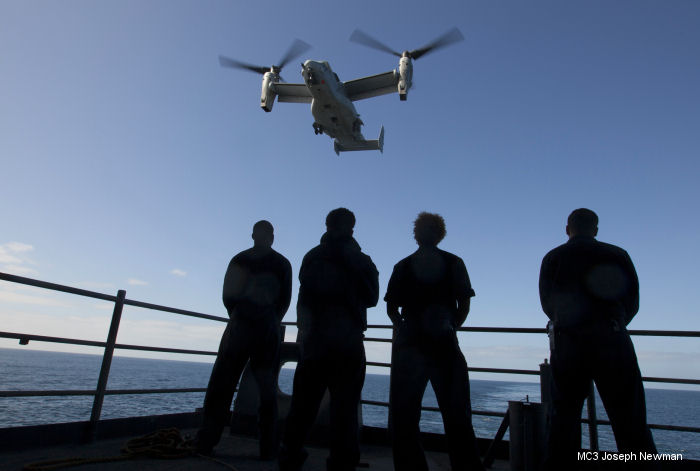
[338, 284]
[427, 286]
[590, 291]
[257, 292]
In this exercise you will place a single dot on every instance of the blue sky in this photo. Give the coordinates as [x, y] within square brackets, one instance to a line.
[129, 159]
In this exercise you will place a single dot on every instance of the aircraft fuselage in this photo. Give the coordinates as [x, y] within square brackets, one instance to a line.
[334, 113]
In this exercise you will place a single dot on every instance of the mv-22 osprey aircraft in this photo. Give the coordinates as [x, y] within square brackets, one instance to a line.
[332, 100]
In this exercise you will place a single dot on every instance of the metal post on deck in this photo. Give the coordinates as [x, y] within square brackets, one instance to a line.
[106, 364]
[592, 419]
[546, 385]
[390, 418]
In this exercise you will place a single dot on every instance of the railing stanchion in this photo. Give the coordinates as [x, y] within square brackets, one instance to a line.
[592, 419]
[390, 419]
[106, 364]
[490, 455]
[546, 384]
[120, 300]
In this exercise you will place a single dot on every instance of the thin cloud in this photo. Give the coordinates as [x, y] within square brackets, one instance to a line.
[20, 298]
[136, 282]
[19, 270]
[13, 258]
[19, 247]
[7, 258]
[178, 272]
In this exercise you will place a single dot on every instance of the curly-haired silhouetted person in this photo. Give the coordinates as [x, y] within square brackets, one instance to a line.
[433, 291]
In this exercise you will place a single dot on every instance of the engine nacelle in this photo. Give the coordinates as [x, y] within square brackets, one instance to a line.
[405, 76]
[267, 97]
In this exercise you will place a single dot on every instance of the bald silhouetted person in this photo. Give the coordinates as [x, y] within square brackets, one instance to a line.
[338, 284]
[590, 292]
[257, 291]
[433, 290]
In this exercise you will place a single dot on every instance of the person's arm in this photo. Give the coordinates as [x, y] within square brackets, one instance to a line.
[303, 311]
[463, 304]
[463, 291]
[546, 286]
[367, 280]
[392, 311]
[631, 301]
[233, 285]
[392, 297]
[286, 289]
[373, 284]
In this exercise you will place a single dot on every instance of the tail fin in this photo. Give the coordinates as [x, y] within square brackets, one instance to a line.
[373, 144]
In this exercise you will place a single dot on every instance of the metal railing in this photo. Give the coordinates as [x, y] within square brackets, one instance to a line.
[120, 301]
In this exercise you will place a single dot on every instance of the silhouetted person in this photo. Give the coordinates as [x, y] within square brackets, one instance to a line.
[257, 291]
[590, 292]
[338, 284]
[433, 290]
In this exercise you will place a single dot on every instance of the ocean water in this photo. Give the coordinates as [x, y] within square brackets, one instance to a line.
[38, 370]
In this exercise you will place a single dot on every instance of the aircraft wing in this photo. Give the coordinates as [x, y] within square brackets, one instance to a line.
[292, 93]
[374, 85]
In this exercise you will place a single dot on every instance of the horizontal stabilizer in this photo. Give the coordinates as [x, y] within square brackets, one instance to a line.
[374, 144]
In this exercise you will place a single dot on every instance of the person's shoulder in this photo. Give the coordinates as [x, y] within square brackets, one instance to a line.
[242, 255]
[552, 256]
[314, 252]
[404, 262]
[557, 250]
[365, 256]
[608, 245]
[450, 257]
[280, 258]
[611, 248]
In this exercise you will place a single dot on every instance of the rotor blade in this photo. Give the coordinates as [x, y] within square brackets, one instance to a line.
[452, 36]
[234, 64]
[367, 40]
[297, 48]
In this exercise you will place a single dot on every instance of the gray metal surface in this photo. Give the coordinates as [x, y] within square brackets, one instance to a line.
[236, 451]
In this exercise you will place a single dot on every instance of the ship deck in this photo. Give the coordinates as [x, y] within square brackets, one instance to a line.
[23, 445]
[233, 452]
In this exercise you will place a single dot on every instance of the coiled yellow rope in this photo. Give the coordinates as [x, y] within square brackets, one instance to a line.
[163, 444]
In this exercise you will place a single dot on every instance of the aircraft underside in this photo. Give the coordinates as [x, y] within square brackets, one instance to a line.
[332, 99]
